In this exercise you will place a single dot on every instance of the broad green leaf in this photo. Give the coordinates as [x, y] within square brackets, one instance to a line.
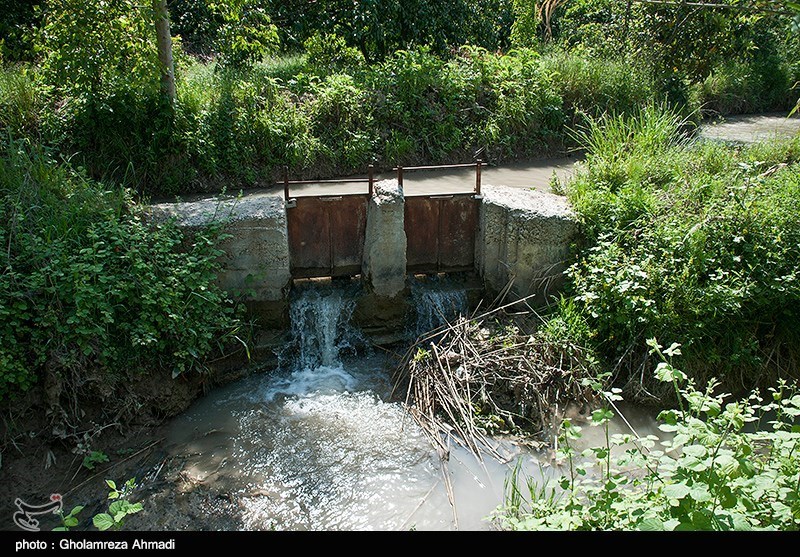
[60, 529]
[727, 499]
[102, 521]
[70, 521]
[694, 464]
[676, 491]
[651, 525]
[699, 492]
[698, 451]
[726, 464]
[740, 522]
[111, 484]
[601, 416]
[701, 520]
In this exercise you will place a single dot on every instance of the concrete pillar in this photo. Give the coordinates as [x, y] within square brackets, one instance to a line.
[524, 235]
[384, 263]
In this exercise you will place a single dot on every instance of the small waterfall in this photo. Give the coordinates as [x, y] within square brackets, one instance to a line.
[321, 327]
[436, 302]
[320, 335]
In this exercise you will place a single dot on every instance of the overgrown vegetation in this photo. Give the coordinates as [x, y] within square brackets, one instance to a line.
[92, 293]
[726, 466]
[386, 82]
[696, 242]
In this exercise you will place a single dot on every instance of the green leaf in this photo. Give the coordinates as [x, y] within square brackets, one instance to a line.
[700, 493]
[698, 451]
[740, 522]
[676, 491]
[667, 374]
[651, 525]
[103, 521]
[671, 524]
[694, 464]
[116, 507]
[726, 464]
[60, 529]
[601, 416]
[726, 497]
[135, 508]
[701, 520]
[111, 484]
[70, 521]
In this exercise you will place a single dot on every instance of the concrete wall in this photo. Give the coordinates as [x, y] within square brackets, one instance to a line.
[384, 264]
[255, 263]
[524, 236]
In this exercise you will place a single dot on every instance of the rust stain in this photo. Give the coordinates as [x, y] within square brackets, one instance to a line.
[441, 232]
[326, 235]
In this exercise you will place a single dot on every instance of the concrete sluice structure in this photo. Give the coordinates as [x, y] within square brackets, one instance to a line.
[504, 234]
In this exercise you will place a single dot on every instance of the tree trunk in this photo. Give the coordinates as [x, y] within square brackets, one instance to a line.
[165, 49]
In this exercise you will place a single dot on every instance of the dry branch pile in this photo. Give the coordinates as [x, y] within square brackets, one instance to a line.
[477, 376]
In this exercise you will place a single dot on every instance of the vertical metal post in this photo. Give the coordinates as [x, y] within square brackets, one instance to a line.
[400, 176]
[478, 165]
[286, 183]
[371, 174]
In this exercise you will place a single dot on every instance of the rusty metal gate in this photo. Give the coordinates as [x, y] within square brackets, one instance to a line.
[326, 233]
[441, 229]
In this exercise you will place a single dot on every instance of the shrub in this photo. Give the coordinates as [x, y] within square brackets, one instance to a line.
[727, 466]
[696, 242]
[87, 286]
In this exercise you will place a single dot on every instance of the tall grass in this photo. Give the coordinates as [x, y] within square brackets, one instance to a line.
[21, 102]
[695, 243]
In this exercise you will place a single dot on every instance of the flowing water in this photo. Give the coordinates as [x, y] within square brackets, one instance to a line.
[320, 446]
[436, 302]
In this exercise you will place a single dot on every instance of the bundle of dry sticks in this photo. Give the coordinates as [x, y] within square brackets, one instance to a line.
[480, 375]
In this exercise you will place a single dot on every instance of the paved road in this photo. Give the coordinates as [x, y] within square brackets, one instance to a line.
[538, 174]
[751, 128]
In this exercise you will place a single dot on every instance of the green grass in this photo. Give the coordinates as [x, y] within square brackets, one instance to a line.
[696, 244]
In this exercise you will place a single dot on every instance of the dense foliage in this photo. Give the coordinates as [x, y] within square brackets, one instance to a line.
[323, 115]
[722, 466]
[89, 290]
[385, 81]
[695, 242]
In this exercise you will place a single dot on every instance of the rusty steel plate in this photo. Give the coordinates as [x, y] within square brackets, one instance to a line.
[326, 235]
[422, 233]
[458, 222]
[440, 232]
[348, 227]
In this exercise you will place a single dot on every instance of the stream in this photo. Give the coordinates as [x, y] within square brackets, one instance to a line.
[318, 445]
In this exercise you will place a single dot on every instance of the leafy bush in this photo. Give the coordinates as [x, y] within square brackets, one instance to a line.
[88, 287]
[737, 88]
[695, 242]
[328, 53]
[727, 466]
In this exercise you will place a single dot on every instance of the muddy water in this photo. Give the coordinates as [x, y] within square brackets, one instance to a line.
[320, 446]
[322, 449]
